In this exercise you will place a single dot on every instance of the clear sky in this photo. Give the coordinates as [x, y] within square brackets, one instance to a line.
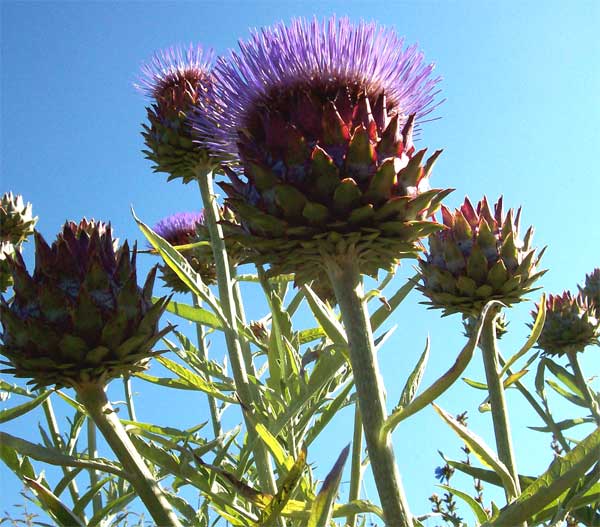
[521, 117]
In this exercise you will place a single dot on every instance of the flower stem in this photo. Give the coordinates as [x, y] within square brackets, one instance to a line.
[356, 467]
[583, 385]
[58, 443]
[93, 397]
[212, 403]
[93, 454]
[226, 297]
[497, 400]
[129, 398]
[544, 414]
[346, 281]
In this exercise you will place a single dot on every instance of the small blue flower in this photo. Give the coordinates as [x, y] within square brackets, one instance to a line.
[440, 473]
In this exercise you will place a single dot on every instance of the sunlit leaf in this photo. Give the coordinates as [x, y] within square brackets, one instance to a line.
[322, 508]
[475, 506]
[414, 379]
[17, 411]
[58, 510]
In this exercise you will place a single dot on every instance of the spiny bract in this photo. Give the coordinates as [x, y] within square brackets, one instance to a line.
[570, 325]
[324, 141]
[81, 316]
[591, 289]
[478, 257]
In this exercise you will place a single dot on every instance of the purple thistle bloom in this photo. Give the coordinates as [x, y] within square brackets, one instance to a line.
[179, 228]
[174, 66]
[323, 56]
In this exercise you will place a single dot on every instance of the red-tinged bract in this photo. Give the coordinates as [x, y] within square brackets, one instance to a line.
[80, 317]
[478, 257]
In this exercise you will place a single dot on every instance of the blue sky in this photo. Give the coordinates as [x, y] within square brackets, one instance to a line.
[521, 82]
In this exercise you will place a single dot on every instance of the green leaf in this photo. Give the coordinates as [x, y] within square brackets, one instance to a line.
[475, 384]
[536, 331]
[309, 335]
[194, 314]
[563, 473]
[571, 397]
[326, 318]
[327, 414]
[54, 457]
[181, 267]
[51, 504]
[489, 476]
[322, 508]
[441, 384]
[568, 379]
[272, 511]
[563, 425]
[475, 506]
[195, 380]
[481, 451]
[271, 442]
[14, 388]
[414, 379]
[17, 411]
[383, 312]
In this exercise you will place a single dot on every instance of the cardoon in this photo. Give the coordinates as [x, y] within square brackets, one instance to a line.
[321, 115]
[80, 317]
[181, 229]
[176, 81]
[591, 289]
[80, 320]
[327, 179]
[570, 324]
[479, 257]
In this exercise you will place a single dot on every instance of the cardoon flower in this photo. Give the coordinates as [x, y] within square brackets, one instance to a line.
[321, 116]
[570, 325]
[80, 317]
[176, 81]
[479, 257]
[183, 229]
[591, 290]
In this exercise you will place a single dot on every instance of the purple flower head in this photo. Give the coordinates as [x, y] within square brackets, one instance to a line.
[180, 228]
[313, 59]
[177, 78]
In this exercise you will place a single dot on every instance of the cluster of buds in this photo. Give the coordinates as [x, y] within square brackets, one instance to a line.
[80, 317]
[16, 225]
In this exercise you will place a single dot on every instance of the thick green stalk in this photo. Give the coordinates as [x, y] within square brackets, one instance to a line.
[93, 397]
[346, 280]
[212, 403]
[225, 287]
[583, 385]
[497, 400]
[93, 453]
[58, 443]
[356, 467]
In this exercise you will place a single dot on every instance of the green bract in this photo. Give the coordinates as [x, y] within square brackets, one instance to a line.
[570, 326]
[478, 258]
[591, 290]
[81, 316]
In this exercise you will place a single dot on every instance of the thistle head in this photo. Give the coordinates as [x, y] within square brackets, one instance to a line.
[478, 257]
[178, 81]
[591, 289]
[16, 219]
[319, 116]
[571, 324]
[80, 316]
